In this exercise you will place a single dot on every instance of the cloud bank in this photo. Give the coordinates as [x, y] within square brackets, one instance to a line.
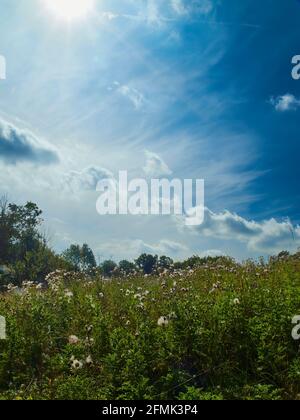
[17, 145]
[269, 236]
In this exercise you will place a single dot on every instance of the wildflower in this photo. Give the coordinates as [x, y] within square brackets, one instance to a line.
[163, 321]
[69, 294]
[101, 295]
[89, 360]
[236, 301]
[216, 286]
[76, 365]
[89, 328]
[73, 340]
[172, 315]
[89, 341]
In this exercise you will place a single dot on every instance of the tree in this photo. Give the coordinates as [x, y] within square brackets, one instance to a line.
[73, 256]
[148, 263]
[165, 262]
[108, 267]
[37, 264]
[6, 232]
[19, 230]
[127, 267]
[88, 260]
[23, 249]
[81, 258]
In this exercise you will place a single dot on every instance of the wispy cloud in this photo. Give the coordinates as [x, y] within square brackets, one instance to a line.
[158, 13]
[136, 98]
[131, 249]
[190, 7]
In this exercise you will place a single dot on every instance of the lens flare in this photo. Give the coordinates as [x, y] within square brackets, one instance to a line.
[70, 9]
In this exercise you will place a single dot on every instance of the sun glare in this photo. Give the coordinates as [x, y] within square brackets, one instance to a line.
[70, 9]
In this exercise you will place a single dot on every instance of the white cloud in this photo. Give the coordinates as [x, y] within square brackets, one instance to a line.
[155, 165]
[269, 236]
[153, 12]
[85, 180]
[131, 249]
[18, 145]
[165, 247]
[109, 15]
[285, 103]
[189, 7]
[212, 253]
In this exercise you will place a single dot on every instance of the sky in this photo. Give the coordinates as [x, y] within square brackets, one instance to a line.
[196, 89]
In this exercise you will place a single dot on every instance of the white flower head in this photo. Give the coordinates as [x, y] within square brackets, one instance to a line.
[73, 339]
[76, 365]
[172, 315]
[163, 321]
[89, 360]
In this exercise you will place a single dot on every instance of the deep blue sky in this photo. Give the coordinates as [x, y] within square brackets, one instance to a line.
[202, 87]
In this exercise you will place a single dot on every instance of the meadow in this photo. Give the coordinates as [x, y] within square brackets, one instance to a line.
[218, 331]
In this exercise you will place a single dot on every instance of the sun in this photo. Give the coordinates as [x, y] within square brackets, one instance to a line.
[70, 9]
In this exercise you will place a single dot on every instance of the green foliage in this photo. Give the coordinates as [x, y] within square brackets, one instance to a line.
[80, 258]
[165, 262]
[108, 267]
[18, 230]
[197, 394]
[202, 329]
[127, 267]
[24, 254]
[148, 263]
[220, 331]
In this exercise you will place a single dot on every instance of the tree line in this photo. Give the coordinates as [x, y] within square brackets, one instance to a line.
[26, 255]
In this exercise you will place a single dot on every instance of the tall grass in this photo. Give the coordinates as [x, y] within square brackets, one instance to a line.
[216, 332]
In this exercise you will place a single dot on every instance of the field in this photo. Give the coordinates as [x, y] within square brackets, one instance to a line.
[218, 331]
